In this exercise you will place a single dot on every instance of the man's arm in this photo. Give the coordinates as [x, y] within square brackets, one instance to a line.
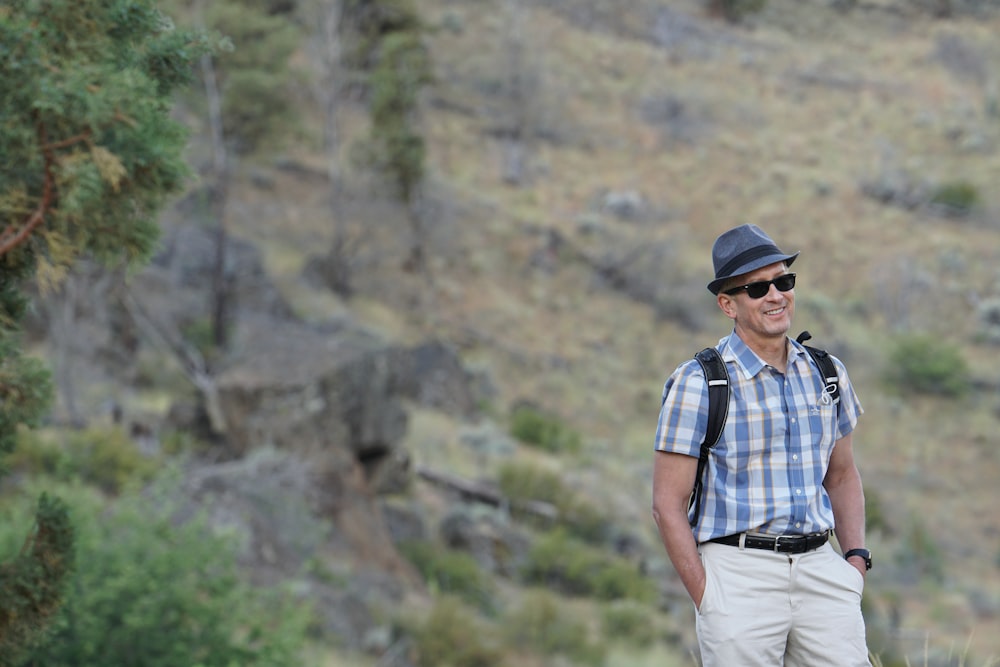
[673, 480]
[847, 496]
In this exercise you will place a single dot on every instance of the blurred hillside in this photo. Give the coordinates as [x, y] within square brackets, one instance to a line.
[582, 157]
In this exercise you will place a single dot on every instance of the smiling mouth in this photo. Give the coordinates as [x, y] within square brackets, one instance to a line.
[776, 311]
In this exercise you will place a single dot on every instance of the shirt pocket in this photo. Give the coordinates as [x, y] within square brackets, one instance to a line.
[823, 426]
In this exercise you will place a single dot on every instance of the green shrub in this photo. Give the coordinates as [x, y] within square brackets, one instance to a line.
[38, 454]
[923, 364]
[628, 622]
[536, 428]
[541, 624]
[151, 592]
[563, 563]
[585, 521]
[525, 482]
[451, 572]
[453, 636]
[956, 198]
[735, 10]
[105, 457]
[175, 443]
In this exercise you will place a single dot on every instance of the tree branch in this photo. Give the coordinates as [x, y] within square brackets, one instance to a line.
[188, 358]
[12, 237]
[487, 494]
[83, 136]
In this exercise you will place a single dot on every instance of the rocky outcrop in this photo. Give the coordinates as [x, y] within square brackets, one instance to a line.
[277, 505]
[336, 396]
[306, 422]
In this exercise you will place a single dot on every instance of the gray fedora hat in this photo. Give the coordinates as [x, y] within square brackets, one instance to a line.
[741, 250]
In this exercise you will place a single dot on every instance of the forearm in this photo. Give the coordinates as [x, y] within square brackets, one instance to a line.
[679, 542]
[847, 495]
[847, 498]
[673, 479]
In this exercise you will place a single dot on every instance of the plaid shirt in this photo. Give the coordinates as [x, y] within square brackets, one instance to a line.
[766, 472]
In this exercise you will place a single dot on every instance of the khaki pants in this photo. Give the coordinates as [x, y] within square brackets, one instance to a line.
[771, 609]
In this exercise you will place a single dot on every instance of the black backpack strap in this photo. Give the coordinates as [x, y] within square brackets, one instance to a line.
[717, 379]
[831, 379]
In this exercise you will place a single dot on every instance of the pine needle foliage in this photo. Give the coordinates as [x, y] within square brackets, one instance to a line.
[90, 155]
[31, 585]
[385, 39]
[90, 150]
[258, 106]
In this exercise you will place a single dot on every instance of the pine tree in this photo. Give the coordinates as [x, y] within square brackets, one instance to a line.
[249, 106]
[89, 156]
[385, 39]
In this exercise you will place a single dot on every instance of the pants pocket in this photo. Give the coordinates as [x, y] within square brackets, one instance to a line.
[854, 577]
[706, 596]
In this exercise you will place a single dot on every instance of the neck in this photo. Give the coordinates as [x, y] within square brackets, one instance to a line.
[773, 350]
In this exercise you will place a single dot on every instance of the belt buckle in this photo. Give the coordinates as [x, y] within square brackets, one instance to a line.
[796, 543]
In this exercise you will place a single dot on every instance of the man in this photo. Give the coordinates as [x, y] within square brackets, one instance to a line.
[783, 466]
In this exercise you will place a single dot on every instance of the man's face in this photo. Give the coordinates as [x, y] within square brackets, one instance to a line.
[767, 317]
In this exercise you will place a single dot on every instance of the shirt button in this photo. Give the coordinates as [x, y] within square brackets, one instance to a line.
[798, 524]
[798, 492]
[795, 457]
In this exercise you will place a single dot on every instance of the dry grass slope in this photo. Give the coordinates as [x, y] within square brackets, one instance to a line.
[778, 122]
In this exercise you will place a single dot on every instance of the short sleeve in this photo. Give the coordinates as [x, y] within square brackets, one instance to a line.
[684, 411]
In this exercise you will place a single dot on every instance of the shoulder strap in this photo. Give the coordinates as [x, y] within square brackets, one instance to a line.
[831, 379]
[717, 379]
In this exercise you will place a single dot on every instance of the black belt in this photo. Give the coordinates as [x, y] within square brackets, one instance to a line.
[786, 544]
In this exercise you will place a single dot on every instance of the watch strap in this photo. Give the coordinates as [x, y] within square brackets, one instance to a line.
[864, 553]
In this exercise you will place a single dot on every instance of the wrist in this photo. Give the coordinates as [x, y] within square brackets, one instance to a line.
[860, 556]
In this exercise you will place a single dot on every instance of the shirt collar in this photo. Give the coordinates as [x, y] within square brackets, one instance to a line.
[732, 348]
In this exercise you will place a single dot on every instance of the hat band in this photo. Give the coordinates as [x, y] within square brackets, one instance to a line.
[745, 257]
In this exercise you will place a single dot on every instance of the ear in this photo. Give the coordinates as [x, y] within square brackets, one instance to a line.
[726, 304]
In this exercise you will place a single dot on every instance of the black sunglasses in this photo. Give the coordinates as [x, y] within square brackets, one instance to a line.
[760, 289]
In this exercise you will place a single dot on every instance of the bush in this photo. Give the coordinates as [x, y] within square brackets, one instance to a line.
[628, 622]
[922, 364]
[150, 593]
[451, 572]
[735, 10]
[558, 561]
[523, 482]
[542, 625]
[957, 198]
[534, 427]
[453, 637]
[103, 457]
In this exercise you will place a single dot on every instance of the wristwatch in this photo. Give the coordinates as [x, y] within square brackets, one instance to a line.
[864, 553]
